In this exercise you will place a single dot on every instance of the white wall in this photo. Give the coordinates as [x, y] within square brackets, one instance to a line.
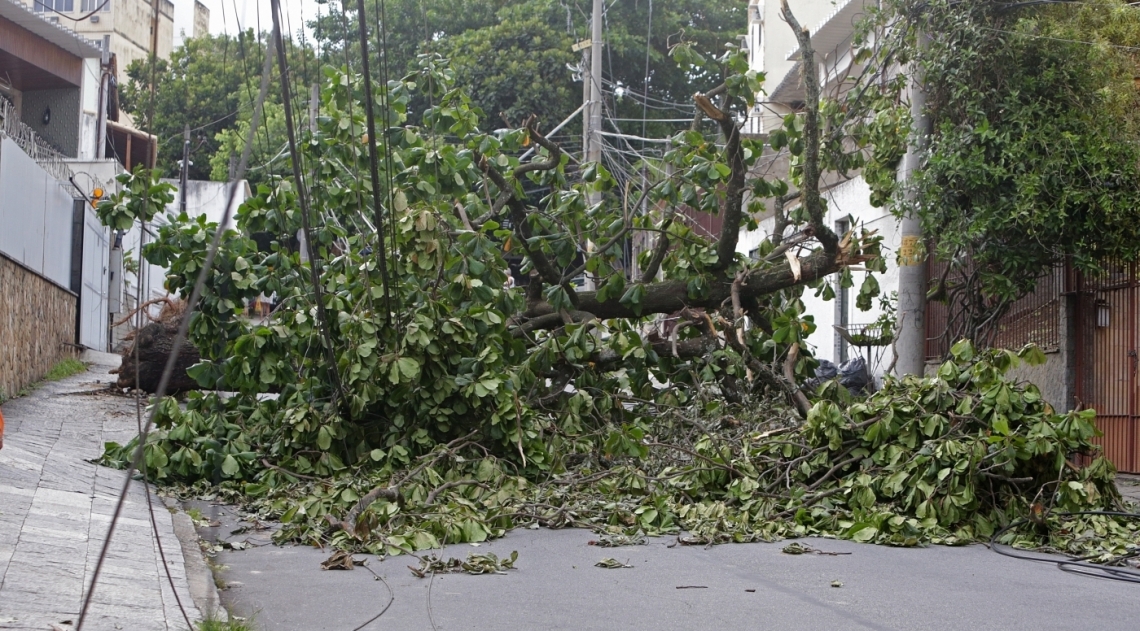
[850, 198]
[35, 216]
[208, 198]
[93, 294]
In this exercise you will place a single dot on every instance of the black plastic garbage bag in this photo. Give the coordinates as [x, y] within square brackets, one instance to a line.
[824, 372]
[853, 375]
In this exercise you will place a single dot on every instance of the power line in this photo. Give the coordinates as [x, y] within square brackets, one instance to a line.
[645, 84]
[1061, 39]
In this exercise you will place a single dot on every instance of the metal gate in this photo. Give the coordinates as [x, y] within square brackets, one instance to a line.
[1107, 344]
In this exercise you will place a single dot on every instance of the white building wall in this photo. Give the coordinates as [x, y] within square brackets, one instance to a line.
[772, 41]
[208, 198]
[846, 200]
[35, 216]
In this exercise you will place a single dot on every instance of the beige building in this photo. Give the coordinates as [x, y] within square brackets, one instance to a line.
[126, 24]
[201, 20]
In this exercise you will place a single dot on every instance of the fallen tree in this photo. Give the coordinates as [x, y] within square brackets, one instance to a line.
[422, 398]
[947, 459]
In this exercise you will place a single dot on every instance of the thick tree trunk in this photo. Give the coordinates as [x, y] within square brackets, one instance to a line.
[672, 296]
[154, 343]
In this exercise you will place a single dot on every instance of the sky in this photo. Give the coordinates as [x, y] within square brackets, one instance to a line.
[244, 12]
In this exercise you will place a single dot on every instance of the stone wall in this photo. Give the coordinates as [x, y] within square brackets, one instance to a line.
[37, 322]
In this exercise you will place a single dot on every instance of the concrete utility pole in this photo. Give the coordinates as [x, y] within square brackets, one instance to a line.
[185, 168]
[314, 105]
[594, 148]
[592, 97]
[104, 88]
[910, 341]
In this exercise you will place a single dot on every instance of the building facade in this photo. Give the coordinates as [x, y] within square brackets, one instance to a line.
[127, 26]
[53, 250]
[774, 50]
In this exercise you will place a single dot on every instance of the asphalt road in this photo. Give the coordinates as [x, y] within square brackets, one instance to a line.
[557, 586]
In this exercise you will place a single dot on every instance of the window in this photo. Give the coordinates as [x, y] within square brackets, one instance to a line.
[61, 6]
[95, 5]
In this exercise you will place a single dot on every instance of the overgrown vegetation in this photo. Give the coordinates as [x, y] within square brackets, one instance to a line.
[1034, 154]
[403, 394]
[212, 623]
[64, 369]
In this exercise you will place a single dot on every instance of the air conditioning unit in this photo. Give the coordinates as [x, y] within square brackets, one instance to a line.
[94, 19]
[53, 20]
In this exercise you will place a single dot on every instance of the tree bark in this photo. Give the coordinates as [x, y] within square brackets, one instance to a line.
[672, 296]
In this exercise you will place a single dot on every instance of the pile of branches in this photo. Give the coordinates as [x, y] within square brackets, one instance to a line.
[948, 459]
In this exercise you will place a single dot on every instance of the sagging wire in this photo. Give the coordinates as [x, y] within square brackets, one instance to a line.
[140, 282]
[176, 348]
[1076, 565]
[382, 34]
[373, 166]
[391, 599]
[303, 199]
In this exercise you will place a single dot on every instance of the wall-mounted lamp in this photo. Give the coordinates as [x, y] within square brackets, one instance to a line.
[1103, 314]
[47, 115]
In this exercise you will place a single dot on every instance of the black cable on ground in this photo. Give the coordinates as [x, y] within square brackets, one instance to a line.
[391, 599]
[1076, 565]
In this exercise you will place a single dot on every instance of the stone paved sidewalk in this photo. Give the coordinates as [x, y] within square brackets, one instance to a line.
[55, 508]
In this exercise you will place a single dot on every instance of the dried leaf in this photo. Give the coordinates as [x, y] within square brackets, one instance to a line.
[340, 560]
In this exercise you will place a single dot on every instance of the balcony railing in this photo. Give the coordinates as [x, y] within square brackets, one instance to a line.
[48, 157]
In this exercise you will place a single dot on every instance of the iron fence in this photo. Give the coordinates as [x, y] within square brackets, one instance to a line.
[48, 157]
[1034, 318]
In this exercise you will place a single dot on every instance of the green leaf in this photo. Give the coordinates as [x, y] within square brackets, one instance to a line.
[230, 466]
[1001, 425]
[409, 367]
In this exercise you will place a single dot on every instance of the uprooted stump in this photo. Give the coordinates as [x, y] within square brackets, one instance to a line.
[154, 343]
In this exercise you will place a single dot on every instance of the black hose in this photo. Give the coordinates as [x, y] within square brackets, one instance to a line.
[1076, 565]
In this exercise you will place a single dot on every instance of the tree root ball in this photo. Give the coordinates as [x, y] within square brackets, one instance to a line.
[153, 344]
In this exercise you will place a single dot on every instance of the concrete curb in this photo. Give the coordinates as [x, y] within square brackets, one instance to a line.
[198, 574]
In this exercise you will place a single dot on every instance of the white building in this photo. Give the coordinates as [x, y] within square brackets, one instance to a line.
[774, 50]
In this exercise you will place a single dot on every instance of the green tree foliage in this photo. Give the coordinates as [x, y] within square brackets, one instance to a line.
[210, 83]
[513, 54]
[517, 67]
[1034, 154]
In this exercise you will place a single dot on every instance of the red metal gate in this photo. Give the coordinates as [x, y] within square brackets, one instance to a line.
[1107, 344]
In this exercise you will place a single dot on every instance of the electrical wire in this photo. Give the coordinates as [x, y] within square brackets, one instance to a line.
[1076, 565]
[41, 7]
[172, 358]
[391, 599]
[1060, 39]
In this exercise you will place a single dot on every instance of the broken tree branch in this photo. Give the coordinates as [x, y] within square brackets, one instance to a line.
[798, 396]
[810, 190]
